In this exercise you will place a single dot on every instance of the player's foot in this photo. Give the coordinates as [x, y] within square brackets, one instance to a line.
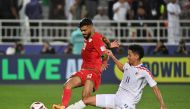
[55, 106]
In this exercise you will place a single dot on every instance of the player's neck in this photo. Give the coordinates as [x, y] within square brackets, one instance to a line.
[136, 63]
[93, 33]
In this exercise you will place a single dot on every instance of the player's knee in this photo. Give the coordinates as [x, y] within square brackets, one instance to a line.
[67, 86]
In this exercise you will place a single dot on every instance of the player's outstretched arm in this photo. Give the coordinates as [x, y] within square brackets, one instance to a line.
[159, 97]
[109, 44]
[115, 44]
[105, 59]
[119, 64]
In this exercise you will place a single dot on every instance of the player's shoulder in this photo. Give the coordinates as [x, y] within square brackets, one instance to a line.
[126, 66]
[97, 36]
[144, 68]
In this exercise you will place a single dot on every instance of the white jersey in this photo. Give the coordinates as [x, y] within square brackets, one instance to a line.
[130, 90]
[134, 80]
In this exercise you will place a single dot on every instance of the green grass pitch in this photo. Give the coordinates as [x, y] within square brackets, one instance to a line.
[21, 96]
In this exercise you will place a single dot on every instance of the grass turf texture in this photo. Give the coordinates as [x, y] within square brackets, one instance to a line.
[22, 96]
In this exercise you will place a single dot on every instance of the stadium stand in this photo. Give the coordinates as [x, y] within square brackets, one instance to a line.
[152, 31]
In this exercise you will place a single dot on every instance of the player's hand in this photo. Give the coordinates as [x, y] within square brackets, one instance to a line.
[55, 106]
[104, 66]
[115, 44]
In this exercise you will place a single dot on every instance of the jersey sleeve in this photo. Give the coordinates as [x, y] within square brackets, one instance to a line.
[99, 44]
[149, 78]
[126, 66]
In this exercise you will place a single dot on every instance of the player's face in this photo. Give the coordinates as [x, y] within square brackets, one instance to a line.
[132, 57]
[86, 31]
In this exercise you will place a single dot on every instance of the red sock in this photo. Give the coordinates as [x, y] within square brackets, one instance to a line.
[66, 97]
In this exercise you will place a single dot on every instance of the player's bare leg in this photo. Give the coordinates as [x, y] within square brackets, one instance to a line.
[71, 83]
[88, 88]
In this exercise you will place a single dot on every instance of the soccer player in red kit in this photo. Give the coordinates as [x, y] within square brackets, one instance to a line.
[94, 62]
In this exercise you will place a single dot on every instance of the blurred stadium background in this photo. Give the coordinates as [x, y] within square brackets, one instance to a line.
[39, 45]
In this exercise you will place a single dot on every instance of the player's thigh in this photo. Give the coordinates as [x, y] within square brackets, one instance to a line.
[88, 88]
[73, 82]
[105, 101]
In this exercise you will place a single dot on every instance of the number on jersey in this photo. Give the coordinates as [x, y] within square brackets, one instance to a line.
[127, 79]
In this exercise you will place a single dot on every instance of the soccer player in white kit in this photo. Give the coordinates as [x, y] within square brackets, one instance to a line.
[135, 78]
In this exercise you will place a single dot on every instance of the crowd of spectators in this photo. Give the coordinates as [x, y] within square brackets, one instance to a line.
[17, 48]
[77, 9]
[47, 48]
[117, 10]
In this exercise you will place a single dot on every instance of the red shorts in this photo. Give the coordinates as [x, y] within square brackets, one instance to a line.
[86, 74]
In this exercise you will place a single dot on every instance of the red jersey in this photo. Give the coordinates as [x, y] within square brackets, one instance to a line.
[92, 52]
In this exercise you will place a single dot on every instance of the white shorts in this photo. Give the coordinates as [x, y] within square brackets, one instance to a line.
[109, 101]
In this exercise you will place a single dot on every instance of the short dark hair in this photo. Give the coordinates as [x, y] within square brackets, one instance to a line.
[85, 21]
[137, 49]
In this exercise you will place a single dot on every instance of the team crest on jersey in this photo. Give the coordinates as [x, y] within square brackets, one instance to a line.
[103, 48]
[89, 76]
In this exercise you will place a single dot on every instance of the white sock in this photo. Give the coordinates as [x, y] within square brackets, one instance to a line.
[70, 107]
[78, 105]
